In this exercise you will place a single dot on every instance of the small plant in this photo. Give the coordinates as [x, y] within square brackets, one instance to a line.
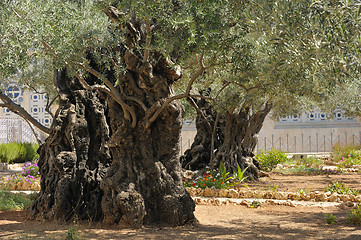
[274, 186]
[330, 218]
[210, 179]
[224, 173]
[354, 216]
[340, 188]
[304, 191]
[255, 204]
[72, 234]
[31, 169]
[270, 159]
[215, 179]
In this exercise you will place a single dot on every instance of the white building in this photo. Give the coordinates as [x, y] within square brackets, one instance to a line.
[15, 129]
[308, 132]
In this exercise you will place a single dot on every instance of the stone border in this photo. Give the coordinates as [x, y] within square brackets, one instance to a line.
[315, 196]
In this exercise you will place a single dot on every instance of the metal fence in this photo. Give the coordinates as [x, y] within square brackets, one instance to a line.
[310, 143]
[15, 130]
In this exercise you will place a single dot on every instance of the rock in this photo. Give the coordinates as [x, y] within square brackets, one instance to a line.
[233, 193]
[312, 195]
[192, 191]
[294, 196]
[332, 198]
[188, 174]
[223, 193]
[248, 194]
[352, 198]
[244, 202]
[208, 192]
[258, 194]
[345, 198]
[291, 204]
[305, 197]
[280, 195]
[329, 168]
[268, 194]
[321, 197]
[198, 201]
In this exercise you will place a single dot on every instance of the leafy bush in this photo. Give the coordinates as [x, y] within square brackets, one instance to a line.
[14, 201]
[18, 152]
[346, 156]
[330, 218]
[270, 159]
[340, 188]
[354, 216]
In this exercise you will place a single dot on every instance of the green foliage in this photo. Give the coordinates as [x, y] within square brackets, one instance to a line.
[224, 173]
[330, 218]
[18, 152]
[346, 156]
[209, 178]
[274, 186]
[255, 204]
[72, 234]
[270, 159]
[14, 201]
[31, 169]
[340, 188]
[354, 216]
[215, 179]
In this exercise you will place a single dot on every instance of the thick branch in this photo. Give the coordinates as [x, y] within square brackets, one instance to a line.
[114, 93]
[48, 105]
[147, 41]
[17, 109]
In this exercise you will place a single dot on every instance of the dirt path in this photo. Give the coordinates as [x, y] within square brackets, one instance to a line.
[217, 222]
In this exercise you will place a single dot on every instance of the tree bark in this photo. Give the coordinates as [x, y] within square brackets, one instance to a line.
[75, 156]
[96, 165]
[235, 140]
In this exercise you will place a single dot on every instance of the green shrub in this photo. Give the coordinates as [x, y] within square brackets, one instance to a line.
[346, 155]
[330, 218]
[18, 152]
[270, 159]
[340, 188]
[354, 216]
[14, 201]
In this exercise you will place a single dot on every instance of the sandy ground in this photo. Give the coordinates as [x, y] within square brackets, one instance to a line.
[216, 222]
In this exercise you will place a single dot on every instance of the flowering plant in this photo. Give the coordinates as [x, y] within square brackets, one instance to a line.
[31, 169]
[349, 161]
[214, 179]
[210, 179]
[12, 181]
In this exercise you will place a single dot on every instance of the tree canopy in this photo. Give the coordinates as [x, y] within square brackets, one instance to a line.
[291, 53]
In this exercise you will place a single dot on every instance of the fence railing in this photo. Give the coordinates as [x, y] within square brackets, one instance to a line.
[15, 130]
[309, 143]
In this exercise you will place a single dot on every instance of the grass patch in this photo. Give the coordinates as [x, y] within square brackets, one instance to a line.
[14, 201]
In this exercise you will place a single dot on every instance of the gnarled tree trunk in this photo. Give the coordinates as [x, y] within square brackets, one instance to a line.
[144, 183]
[98, 165]
[234, 140]
[75, 156]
